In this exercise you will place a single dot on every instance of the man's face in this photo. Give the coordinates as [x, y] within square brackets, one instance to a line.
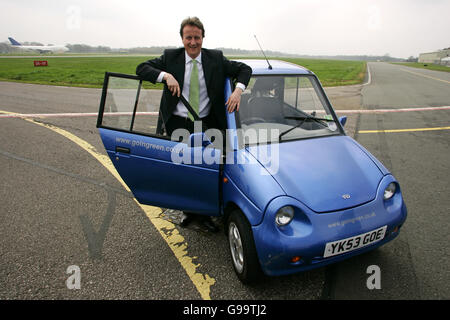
[192, 40]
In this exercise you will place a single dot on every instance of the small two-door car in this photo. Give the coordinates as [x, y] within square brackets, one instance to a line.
[294, 191]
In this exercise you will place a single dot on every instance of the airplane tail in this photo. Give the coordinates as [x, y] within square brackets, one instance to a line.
[14, 42]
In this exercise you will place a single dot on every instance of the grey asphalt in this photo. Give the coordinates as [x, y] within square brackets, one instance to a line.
[416, 264]
[60, 207]
[397, 86]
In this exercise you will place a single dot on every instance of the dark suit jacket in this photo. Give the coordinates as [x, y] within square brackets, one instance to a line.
[215, 67]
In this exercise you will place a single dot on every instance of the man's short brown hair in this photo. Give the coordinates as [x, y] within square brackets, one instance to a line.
[192, 21]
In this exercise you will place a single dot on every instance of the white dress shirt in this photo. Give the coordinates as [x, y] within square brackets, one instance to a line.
[204, 105]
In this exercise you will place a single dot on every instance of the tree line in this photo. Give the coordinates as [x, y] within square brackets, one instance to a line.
[156, 50]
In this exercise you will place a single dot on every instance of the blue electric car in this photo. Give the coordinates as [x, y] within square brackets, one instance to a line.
[294, 191]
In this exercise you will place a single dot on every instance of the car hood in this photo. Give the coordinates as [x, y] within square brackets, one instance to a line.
[326, 174]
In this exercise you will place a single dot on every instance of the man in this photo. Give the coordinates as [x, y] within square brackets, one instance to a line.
[175, 67]
[199, 75]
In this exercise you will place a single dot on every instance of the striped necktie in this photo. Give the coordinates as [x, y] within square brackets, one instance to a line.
[194, 90]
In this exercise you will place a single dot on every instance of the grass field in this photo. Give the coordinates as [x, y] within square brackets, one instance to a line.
[428, 66]
[66, 71]
[89, 71]
[334, 72]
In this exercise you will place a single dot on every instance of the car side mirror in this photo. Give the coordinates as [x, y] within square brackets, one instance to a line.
[343, 120]
[198, 139]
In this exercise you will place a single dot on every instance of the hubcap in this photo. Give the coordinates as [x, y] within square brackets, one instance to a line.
[237, 252]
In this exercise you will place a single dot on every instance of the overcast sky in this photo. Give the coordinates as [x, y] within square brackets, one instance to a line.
[400, 28]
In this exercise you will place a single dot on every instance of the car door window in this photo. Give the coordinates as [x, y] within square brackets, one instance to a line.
[128, 107]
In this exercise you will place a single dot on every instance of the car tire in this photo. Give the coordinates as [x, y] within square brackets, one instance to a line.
[242, 248]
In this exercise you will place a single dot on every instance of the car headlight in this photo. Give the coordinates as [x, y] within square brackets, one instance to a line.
[389, 191]
[284, 216]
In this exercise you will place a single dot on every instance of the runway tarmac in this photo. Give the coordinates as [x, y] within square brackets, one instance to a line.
[62, 207]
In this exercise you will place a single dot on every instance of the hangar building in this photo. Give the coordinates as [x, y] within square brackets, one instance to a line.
[435, 57]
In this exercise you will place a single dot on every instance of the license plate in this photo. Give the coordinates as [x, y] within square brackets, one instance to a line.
[349, 244]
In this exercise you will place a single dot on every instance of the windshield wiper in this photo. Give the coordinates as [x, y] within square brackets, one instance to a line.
[303, 118]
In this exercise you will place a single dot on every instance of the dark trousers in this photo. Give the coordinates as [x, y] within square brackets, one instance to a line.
[177, 122]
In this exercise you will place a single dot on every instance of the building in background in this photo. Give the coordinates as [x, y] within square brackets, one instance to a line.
[438, 57]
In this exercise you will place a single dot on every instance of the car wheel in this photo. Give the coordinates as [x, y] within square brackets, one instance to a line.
[242, 248]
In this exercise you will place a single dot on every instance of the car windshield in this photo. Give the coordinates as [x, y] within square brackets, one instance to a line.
[282, 108]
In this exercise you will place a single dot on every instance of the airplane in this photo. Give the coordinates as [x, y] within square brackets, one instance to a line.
[41, 49]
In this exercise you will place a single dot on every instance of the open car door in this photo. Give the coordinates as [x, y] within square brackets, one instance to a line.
[144, 157]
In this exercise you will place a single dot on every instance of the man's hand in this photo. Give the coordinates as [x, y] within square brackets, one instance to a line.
[172, 84]
[234, 101]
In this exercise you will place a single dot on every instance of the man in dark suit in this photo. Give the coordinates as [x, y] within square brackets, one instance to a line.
[199, 75]
[175, 67]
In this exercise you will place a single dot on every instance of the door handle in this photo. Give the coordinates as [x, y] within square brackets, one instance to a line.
[122, 150]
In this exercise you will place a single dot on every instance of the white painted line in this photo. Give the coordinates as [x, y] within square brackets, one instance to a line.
[71, 115]
[92, 114]
[369, 76]
[394, 110]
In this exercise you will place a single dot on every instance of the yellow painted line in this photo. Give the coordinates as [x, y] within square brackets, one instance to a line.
[404, 130]
[426, 76]
[166, 229]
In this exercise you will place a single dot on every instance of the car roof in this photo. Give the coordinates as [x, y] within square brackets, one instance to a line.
[261, 67]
